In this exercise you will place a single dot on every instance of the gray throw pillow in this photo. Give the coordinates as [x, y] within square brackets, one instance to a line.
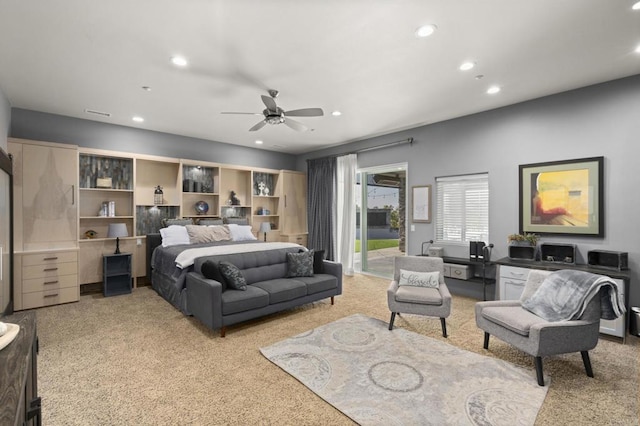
[180, 222]
[300, 264]
[232, 275]
[209, 222]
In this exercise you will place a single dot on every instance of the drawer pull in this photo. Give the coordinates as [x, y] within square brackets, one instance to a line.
[50, 269]
[51, 258]
[50, 282]
[51, 295]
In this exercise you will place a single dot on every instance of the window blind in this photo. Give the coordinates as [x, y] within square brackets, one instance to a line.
[462, 212]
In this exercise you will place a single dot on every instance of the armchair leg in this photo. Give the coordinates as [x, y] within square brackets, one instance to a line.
[444, 327]
[486, 340]
[587, 363]
[538, 362]
[393, 318]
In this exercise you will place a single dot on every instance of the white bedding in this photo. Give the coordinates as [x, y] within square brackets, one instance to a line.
[188, 256]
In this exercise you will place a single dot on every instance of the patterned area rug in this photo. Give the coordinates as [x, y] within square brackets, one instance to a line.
[376, 376]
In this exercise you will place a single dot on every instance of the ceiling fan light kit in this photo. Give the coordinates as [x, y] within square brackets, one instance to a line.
[275, 115]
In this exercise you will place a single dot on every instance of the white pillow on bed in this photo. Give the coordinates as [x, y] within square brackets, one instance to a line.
[241, 232]
[174, 235]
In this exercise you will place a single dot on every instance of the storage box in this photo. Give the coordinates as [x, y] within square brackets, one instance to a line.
[447, 270]
[435, 251]
[522, 252]
[608, 259]
[558, 253]
[103, 182]
[460, 272]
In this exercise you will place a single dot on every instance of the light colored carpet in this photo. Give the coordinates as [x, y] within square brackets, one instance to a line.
[382, 377]
[135, 360]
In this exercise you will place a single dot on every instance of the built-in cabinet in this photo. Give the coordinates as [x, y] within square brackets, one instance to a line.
[45, 227]
[513, 275]
[293, 207]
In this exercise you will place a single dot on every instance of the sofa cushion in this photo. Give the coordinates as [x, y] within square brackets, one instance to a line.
[232, 275]
[514, 318]
[319, 283]
[211, 271]
[419, 295]
[300, 264]
[235, 301]
[282, 289]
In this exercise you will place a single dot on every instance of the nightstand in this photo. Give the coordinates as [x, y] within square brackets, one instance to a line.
[116, 274]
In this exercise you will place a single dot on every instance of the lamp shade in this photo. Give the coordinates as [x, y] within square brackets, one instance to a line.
[265, 227]
[117, 230]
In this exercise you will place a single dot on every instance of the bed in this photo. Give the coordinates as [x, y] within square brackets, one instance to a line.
[169, 266]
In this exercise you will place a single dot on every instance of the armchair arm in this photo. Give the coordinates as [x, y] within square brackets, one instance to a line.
[552, 338]
[391, 292]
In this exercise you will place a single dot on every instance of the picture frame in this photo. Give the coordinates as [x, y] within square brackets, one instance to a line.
[563, 197]
[421, 203]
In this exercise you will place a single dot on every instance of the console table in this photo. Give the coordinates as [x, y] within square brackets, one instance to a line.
[478, 272]
[19, 401]
[513, 274]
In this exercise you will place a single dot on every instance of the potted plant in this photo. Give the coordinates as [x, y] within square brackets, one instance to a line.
[525, 239]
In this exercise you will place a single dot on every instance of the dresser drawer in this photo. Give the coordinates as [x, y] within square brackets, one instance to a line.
[514, 273]
[46, 284]
[49, 258]
[50, 297]
[49, 270]
[295, 238]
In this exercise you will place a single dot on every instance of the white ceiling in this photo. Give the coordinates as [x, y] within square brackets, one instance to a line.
[357, 56]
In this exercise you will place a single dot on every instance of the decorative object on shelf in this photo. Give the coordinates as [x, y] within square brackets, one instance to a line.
[563, 197]
[104, 209]
[103, 182]
[234, 200]
[202, 207]
[117, 230]
[525, 239]
[263, 189]
[91, 234]
[157, 195]
[112, 209]
[264, 228]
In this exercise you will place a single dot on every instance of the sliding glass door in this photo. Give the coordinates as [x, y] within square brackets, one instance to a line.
[381, 218]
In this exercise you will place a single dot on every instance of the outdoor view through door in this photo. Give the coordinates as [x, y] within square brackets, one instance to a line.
[380, 218]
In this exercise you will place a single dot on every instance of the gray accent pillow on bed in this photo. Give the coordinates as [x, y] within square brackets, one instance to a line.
[300, 264]
[236, 220]
[208, 222]
[232, 275]
[181, 222]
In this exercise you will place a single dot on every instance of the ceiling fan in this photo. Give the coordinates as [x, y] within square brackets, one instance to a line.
[273, 114]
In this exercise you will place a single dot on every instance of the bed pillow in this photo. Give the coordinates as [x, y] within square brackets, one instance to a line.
[236, 221]
[419, 279]
[174, 235]
[181, 222]
[207, 234]
[300, 264]
[209, 222]
[241, 232]
[232, 275]
[211, 271]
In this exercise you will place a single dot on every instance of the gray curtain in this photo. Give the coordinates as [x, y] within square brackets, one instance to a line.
[321, 189]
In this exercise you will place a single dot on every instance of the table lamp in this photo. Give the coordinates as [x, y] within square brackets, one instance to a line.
[264, 228]
[117, 230]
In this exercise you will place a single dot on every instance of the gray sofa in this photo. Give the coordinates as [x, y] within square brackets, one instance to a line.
[268, 288]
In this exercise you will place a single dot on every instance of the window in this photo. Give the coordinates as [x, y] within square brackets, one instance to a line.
[462, 211]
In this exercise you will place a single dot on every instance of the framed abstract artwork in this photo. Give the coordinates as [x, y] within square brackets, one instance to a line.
[421, 204]
[563, 197]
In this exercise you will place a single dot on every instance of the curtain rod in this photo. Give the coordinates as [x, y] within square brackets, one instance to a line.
[371, 148]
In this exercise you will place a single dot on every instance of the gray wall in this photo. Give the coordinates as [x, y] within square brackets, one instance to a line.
[41, 126]
[601, 120]
[5, 120]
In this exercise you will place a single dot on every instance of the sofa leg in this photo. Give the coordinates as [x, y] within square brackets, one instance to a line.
[538, 362]
[486, 340]
[587, 363]
[393, 318]
[223, 331]
[444, 327]
[332, 300]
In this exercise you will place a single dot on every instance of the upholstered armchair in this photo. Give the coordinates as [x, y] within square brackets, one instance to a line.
[434, 301]
[510, 322]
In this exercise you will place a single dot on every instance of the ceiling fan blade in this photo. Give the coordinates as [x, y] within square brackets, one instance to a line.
[295, 125]
[258, 126]
[305, 112]
[243, 113]
[269, 103]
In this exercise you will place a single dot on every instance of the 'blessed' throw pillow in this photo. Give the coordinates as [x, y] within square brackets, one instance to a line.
[419, 279]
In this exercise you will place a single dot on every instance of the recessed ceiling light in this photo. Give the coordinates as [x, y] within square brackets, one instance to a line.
[426, 30]
[466, 66]
[179, 61]
[493, 90]
[138, 119]
[479, 77]
[636, 6]
[336, 113]
[259, 142]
